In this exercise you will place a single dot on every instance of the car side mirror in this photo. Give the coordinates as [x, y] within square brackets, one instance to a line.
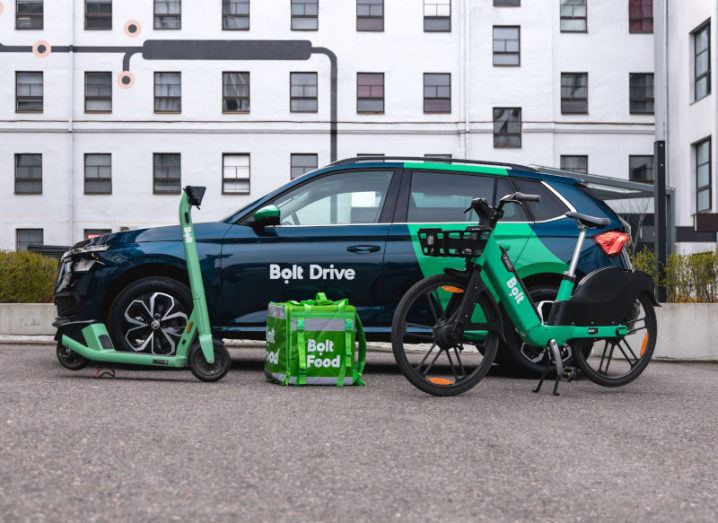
[268, 216]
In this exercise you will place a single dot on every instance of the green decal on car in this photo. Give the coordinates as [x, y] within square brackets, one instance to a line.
[478, 169]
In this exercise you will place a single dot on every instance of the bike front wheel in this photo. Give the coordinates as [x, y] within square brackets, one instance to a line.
[432, 354]
[613, 363]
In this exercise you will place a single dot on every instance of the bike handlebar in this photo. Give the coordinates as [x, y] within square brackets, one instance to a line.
[490, 214]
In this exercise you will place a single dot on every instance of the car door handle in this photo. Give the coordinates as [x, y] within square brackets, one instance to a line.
[363, 249]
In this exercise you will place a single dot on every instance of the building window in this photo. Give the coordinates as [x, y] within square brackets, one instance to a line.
[640, 168]
[704, 191]
[437, 156]
[305, 15]
[573, 16]
[235, 15]
[303, 93]
[29, 14]
[168, 92]
[507, 45]
[26, 237]
[640, 16]
[167, 173]
[28, 92]
[98, 174]
[507, 127]
[168, 14]
[641, 93]
[98, 14]
[28, 174]
[235, 174]
[437, 92]
[702, 62]
[95, 233]
[370, 92]
[507, 3]
[370, 155]
[574, 163]
[235, 92]
[370, 15]
[437, 16]
[574, 93]
[301, 163]
[98, 92]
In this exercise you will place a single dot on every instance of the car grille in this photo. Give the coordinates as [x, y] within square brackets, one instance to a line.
[66, 306]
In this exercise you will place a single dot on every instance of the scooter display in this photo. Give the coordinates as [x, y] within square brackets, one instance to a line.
[460, 314]
[208, 359]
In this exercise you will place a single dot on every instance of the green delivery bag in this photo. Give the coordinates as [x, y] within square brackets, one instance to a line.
[312, 343]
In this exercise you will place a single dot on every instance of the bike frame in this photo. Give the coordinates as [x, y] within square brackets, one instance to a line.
[501, 278]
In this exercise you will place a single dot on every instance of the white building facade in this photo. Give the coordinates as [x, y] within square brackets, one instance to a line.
[108, 108]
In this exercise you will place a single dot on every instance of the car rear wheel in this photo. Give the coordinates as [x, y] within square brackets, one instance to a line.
[149, 315]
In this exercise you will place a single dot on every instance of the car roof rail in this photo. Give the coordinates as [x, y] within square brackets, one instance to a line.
[360, 159]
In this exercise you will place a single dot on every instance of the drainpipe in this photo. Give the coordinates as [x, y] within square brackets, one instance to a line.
[71, 132]
[466, 40]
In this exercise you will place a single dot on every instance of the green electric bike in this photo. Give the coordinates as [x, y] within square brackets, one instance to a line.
[447, 328]
[208, 359]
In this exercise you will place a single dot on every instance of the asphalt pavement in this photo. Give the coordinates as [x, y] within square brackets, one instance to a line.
[157, 445]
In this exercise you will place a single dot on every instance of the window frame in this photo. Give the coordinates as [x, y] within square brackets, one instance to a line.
[248, 97]
[642, 19]
[498, 3]
[156, 98]
[507, 134]
[370, 17]
[31, 16]
[249, 175]
[435, 98]
[315, 98]
[383, 97]
[18, 179]
[436, 17]
[154, 175]
[703, 188]
[584, 18]
[291, 165]
[86, 179]
[34, 229]
[630, 169]
[91, 16]
[98, 98]
[705, 26]
[563, 98]
[643, 99]
[155, 16]
[247, 16]
[566, 156]
[30, 98]
[494, 52]
[292, 16]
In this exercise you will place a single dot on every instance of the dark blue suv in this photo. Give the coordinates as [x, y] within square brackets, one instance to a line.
[349, 230]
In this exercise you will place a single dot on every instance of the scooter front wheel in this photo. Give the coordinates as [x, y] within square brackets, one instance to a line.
[69, 359]
[209, 371]
[613, 363]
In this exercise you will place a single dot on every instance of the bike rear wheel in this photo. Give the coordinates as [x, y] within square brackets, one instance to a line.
[434, 358]
[613, 363]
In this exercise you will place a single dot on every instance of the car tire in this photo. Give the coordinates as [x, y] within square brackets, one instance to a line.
[149, 315]
[514, 356]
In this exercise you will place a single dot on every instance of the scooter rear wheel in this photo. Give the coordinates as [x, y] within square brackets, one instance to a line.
[209, 371]
[613, 363]
[69, 359]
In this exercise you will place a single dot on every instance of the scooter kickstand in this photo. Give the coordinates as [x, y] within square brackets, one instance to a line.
[103, 372]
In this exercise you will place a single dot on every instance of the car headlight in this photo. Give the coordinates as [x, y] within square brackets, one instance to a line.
[88, 249]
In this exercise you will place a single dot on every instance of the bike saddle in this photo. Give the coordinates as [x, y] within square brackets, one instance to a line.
[589, 221]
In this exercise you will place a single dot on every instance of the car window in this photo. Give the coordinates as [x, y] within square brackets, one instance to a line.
[338, 199]
[550, 205]
[513, 212]
[443, 197]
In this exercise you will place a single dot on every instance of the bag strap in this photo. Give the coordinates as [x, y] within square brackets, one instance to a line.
[347, 360]
[358, 369]
[301, 353]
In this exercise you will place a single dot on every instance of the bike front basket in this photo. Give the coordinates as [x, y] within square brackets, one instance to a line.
[462, 243]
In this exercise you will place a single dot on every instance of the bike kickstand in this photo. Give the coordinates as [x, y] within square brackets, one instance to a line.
[555, 385]
[544, 373]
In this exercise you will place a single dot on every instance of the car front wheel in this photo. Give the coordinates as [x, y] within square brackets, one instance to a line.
[149, 315]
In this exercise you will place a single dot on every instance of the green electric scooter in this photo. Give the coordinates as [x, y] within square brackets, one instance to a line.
[208, 359]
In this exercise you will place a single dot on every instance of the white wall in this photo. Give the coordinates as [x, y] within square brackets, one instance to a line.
[608, 134]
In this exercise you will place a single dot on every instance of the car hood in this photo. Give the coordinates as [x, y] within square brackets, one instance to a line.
[203, 231]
